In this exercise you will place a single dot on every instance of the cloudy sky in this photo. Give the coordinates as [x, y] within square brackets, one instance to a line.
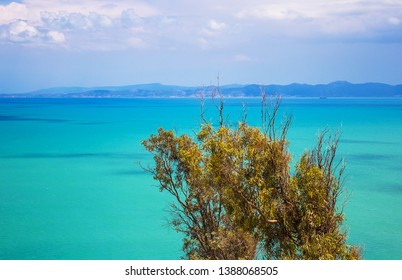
[48, 43]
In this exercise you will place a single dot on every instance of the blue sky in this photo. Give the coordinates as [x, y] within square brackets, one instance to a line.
[49, 43]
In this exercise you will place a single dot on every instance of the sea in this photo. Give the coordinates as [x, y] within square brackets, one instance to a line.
[73, 187]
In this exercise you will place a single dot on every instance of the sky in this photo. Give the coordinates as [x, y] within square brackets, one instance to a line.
[52, 43]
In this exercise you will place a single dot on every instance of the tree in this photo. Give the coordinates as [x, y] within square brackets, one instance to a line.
[235, 197]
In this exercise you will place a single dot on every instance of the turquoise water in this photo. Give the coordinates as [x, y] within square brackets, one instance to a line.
[71, 186]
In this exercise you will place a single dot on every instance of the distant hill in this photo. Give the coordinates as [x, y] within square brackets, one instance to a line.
[333, 90]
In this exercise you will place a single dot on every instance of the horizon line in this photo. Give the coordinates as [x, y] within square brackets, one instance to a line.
[100, 87]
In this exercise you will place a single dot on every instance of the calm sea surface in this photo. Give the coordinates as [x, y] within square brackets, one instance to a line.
[71, 186]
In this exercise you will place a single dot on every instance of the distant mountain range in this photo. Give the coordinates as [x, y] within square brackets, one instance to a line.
[333, 90]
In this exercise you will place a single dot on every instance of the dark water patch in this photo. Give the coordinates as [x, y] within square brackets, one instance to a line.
[370, 157]
[43, 101]
[17, 118]
[397, 168]
[91, 123]
[317, 103]
[78, 155]
[351, 141]
[130, 172]
[390, 188]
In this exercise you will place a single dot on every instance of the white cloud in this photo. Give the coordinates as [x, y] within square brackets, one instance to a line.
[360, 17]
[270, 12]
[20, 31]
[130, 18]
[394, 21]
[175, 23]
[216, 26]
[99, 20]
[85, 23]
[75, 21]
[112, 9]
[13, 11]
[56, 37]
[212, 35]
[136, 42]
[242, 58]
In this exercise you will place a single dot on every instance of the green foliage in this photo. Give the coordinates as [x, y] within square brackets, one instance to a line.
[235, 197]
